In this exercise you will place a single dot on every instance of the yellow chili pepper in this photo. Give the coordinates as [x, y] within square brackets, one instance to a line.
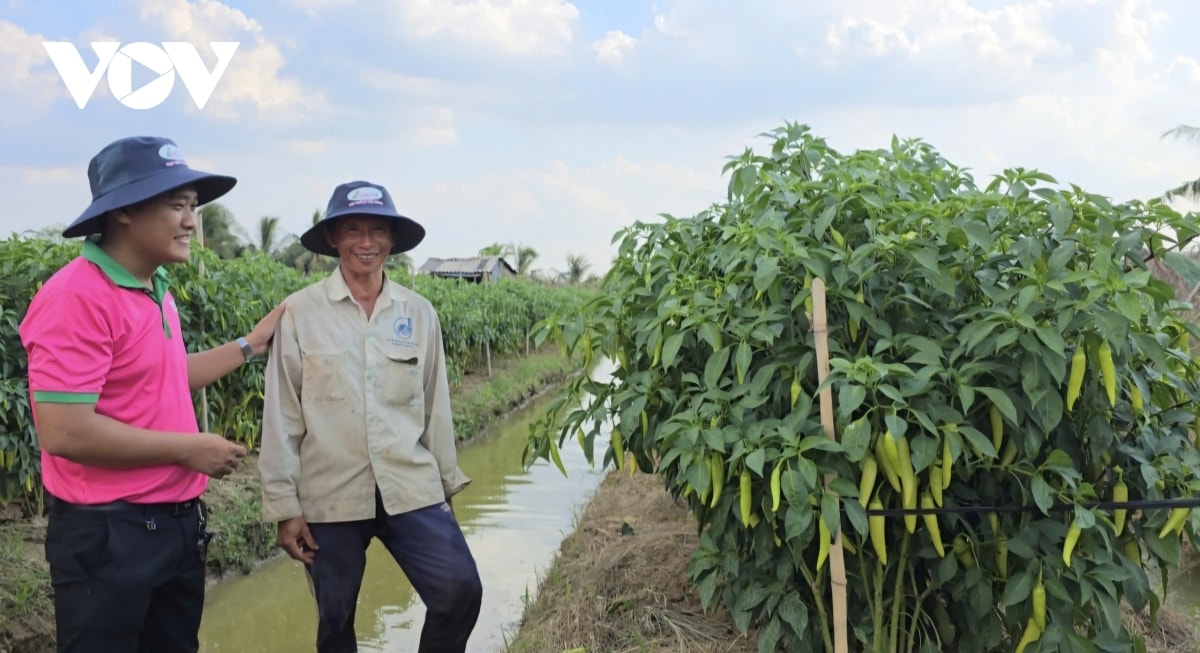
[824, 538]
[866, 484]
[1175, 521]
[1135, 398]
[878, 534]
[744, 496]
[1075, 381]
[935, 482]
[1039, 603]
[886, 465]
[717, 471]
[1069, 544]
[931, 524]
[962, 550]
[1109, 372]
[1031, 635]
[776, 477]
[618, 448]
[1120, 494]
[997, 427]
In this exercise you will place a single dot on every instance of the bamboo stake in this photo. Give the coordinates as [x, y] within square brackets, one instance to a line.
[837, 563]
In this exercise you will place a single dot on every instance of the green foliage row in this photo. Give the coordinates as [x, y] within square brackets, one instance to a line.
[230, 297]
[956, 314]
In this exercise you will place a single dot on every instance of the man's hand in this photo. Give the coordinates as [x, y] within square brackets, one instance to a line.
[213, 455]
[260, 336]
[296, 540]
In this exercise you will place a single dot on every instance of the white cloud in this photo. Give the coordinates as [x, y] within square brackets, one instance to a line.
[254, 75]
[25, 70]
[558, 208]
[509, 27]
[613, 47]
[313, 7]
[947, 30]
[41, 175]
[436, 128]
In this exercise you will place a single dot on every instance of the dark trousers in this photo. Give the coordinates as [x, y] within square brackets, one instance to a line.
[430, 549]
[127, 579]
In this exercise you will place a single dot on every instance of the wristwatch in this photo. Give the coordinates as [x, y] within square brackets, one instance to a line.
[246, 350]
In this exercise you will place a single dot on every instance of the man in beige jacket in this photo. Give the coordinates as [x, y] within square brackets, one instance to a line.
[358, 440]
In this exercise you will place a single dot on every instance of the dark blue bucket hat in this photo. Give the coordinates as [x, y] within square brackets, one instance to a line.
[131, 170]
[363, 198]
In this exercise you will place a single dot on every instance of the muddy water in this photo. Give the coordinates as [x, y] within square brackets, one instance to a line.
[514, 521]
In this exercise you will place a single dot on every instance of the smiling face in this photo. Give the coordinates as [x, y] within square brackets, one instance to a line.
[362, 242]
[160, 229]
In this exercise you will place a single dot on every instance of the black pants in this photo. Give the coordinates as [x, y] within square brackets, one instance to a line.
[430, 549]
[126, 578]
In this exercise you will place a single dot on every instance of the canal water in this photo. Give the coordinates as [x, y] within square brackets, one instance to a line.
[514, 520]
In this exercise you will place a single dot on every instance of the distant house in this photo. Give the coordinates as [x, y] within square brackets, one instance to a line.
[476, 268]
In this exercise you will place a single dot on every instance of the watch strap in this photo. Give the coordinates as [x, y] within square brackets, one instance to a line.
[246, 350]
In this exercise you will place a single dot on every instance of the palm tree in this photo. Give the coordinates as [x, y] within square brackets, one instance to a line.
[221, 232]
[577, 267]
[1186, 133]
[523, 254]
[268, 234]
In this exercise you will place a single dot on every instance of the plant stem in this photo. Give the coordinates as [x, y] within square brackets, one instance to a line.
[819, 599]
[897, 598]
[878, 640]
[917, 609]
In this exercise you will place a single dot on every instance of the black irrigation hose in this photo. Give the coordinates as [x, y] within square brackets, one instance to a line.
[1062, 507]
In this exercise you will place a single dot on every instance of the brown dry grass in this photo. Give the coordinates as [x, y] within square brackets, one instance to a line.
[1174, 632]
[620, 582]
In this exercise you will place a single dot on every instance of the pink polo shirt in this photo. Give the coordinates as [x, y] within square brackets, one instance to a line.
[94, 334]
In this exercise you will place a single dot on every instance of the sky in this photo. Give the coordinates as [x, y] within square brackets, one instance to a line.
[553, 124]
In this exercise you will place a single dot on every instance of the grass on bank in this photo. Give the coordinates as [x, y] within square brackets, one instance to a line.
[243, 540]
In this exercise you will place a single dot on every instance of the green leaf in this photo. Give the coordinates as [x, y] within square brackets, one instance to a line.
[1018, 589]
[755, 461]
[1001, 401]
[742, 359]
[856, 439]
[715, 367]
[671, 349]
[1043, 495]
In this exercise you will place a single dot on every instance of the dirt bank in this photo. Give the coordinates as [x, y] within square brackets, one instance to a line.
[26, 610]
[620, 581]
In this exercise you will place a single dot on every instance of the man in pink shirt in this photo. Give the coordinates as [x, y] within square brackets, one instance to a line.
[110, 384]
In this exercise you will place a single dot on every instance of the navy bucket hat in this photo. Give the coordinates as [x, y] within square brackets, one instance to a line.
[363, 198]
[131, 170]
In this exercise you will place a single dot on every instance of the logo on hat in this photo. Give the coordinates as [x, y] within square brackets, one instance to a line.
[172, 154]
[365, 195]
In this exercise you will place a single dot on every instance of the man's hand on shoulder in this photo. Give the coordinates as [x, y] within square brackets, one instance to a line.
[260, 336]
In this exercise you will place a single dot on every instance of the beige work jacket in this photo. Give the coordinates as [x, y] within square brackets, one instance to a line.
[351, 403]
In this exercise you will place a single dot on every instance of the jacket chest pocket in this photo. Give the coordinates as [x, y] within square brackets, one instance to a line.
[324, 376]
[403, 380]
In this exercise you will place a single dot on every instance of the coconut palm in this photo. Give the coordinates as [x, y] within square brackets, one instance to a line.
[268, 235]
[221, 232]
[577, 267]
[1188, 134]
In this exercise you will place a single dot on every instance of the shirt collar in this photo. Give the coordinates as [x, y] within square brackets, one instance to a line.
[119, 275]
[337, 290]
